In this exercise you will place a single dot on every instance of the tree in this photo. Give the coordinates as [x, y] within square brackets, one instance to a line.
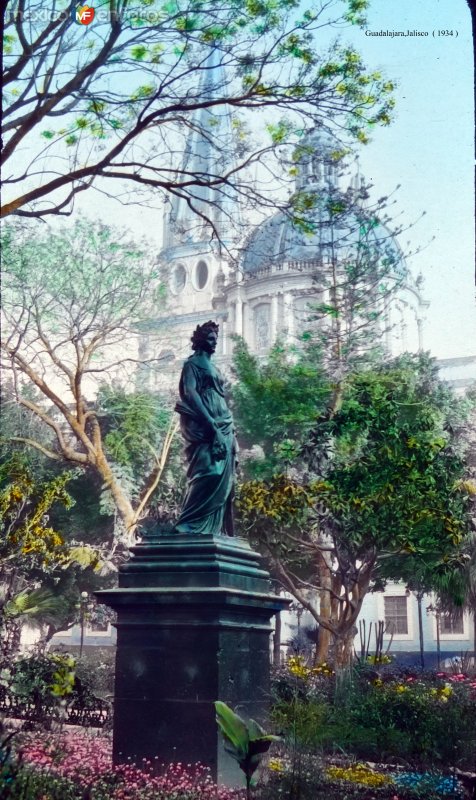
[111, 101]
[377, 480]
[277, 402]
[135, 426]
[359, 274]
[35, 558]
[70, 301]
[360, 270]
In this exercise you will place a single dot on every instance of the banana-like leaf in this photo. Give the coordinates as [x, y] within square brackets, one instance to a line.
[246, 742]
[255, 731]
[234, 730]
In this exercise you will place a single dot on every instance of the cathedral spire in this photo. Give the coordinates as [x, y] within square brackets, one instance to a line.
[208, 153]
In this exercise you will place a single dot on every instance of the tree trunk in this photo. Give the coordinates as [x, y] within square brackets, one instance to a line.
[343, 649]
[321, 652]
[122, 502]
[322, 648]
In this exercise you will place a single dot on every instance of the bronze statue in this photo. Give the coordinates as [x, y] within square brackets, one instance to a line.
[207, 427]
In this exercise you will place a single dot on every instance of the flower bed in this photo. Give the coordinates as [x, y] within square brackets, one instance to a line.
[425, 721]
[72, 766]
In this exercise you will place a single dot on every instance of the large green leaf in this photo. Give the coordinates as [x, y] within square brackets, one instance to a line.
[233, 728]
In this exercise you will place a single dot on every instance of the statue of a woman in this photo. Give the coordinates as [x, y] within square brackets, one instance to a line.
[207, 427]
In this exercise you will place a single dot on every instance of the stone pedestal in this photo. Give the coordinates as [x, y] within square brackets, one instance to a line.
[193, 625]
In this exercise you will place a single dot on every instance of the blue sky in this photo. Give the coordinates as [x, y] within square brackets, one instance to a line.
[428, 150]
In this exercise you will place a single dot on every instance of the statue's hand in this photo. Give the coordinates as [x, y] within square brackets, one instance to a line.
[219, 446]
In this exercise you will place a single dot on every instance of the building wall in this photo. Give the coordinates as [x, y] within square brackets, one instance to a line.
[404, 647]
[373, 609]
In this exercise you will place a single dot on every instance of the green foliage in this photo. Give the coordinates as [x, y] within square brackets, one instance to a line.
[95, 669]
[39, 606]
[82, 286]
[106, 126]
[31, 784]
[44, 680]
[135, 422]
[135, 426]
[85, 289]
[423, 720]
[393, 481]
[278, 400]
[43, 568]
[246, 742]
[386, 468]
[9, 767]
[375, 478]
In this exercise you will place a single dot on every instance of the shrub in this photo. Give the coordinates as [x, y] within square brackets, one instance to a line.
[44, 681]
[387, 715]
[95, 670]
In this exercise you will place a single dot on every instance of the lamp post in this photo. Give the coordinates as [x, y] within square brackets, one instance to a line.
[83, 607]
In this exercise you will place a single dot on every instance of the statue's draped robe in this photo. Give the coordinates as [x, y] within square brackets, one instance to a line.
[208, 501]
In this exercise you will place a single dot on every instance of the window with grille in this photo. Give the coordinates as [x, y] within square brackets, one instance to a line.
[452, 623]
[396, 614]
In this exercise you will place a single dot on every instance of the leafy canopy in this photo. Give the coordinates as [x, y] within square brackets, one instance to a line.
[278, 401]
[375, 489]
[115, 100]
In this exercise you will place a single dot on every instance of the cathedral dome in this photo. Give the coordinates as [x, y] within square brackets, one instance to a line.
[330, 233]
[279, 240]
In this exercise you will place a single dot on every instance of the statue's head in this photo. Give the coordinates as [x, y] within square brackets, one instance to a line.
[205, 337]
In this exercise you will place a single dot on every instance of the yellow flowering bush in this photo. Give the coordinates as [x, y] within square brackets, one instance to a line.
[359, 773]
[442, 693]
[383, 659]
[298, 667]
[24, 509]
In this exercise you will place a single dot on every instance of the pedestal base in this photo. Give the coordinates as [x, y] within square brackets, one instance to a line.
[193, 627]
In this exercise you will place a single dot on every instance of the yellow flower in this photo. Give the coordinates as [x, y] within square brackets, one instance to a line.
[297, 667]
[276, 765]
[359, 773]
[446, 691]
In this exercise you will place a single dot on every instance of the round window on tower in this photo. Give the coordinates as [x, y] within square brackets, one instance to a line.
[201, 275]
[178, 279]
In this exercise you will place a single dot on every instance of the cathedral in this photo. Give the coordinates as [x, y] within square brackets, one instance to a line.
[281, 271]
